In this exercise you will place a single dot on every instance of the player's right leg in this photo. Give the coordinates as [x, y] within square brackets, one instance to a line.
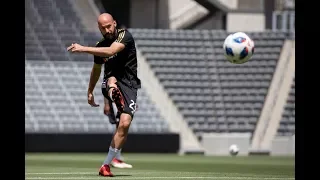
[126, 115]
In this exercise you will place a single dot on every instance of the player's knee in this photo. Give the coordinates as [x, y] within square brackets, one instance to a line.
[125, 121]
[112, 82]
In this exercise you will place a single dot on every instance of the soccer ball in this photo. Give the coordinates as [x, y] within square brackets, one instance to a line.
[238, 48]
[233, 150]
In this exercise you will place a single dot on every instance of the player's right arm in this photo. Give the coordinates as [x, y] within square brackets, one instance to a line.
[94, 77]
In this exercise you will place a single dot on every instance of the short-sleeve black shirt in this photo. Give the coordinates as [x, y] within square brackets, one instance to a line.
[123, 65]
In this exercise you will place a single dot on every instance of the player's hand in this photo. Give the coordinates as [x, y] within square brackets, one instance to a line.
[91, 100]
[75, 48]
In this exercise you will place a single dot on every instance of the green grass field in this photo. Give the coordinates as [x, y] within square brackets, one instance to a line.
[160, 166]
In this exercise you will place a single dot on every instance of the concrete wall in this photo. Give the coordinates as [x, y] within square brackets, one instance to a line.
[216, 21]
[217, 144]
[283, 146]
[247, 22]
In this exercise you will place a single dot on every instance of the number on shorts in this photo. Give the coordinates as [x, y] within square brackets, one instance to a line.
[133, 106]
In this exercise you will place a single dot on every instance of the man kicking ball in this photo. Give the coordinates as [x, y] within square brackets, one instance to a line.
[120, 83]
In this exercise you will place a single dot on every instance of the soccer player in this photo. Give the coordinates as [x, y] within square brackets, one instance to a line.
[121, 83]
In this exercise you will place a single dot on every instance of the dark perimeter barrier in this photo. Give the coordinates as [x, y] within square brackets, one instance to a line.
[137, 143]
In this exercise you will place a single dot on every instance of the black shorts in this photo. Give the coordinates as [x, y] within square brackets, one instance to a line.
[129, 94]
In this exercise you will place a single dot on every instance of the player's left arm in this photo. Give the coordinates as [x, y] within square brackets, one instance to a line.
[117, 46]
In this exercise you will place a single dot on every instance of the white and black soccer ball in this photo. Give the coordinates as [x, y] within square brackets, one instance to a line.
[233, 150]
[238, 48]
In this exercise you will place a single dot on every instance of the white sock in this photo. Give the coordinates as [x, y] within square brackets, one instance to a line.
[111, 154]
[118, 155]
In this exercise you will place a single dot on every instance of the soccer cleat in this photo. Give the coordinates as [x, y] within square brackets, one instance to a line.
[105, 171]
[118, 99]
[117, 163]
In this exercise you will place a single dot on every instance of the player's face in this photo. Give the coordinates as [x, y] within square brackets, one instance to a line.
[108, 29]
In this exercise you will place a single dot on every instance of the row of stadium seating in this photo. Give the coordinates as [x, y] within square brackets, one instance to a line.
[212, 94]
[62, 106]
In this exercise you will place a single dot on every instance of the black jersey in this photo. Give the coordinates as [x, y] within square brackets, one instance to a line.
[123, 65]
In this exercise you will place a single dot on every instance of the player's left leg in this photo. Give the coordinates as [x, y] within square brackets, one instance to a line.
[117, 143]
[118, 161]
[126, 100]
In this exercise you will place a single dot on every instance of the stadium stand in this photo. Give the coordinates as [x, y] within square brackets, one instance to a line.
[287, 124]
[212, 94]
[63, 90]
[56, 82]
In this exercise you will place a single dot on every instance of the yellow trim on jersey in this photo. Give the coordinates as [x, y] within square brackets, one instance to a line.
[121, 32]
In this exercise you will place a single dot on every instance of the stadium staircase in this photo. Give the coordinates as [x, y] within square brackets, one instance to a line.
[275, 104]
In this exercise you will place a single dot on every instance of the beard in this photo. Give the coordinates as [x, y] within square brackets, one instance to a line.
[109, 35]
